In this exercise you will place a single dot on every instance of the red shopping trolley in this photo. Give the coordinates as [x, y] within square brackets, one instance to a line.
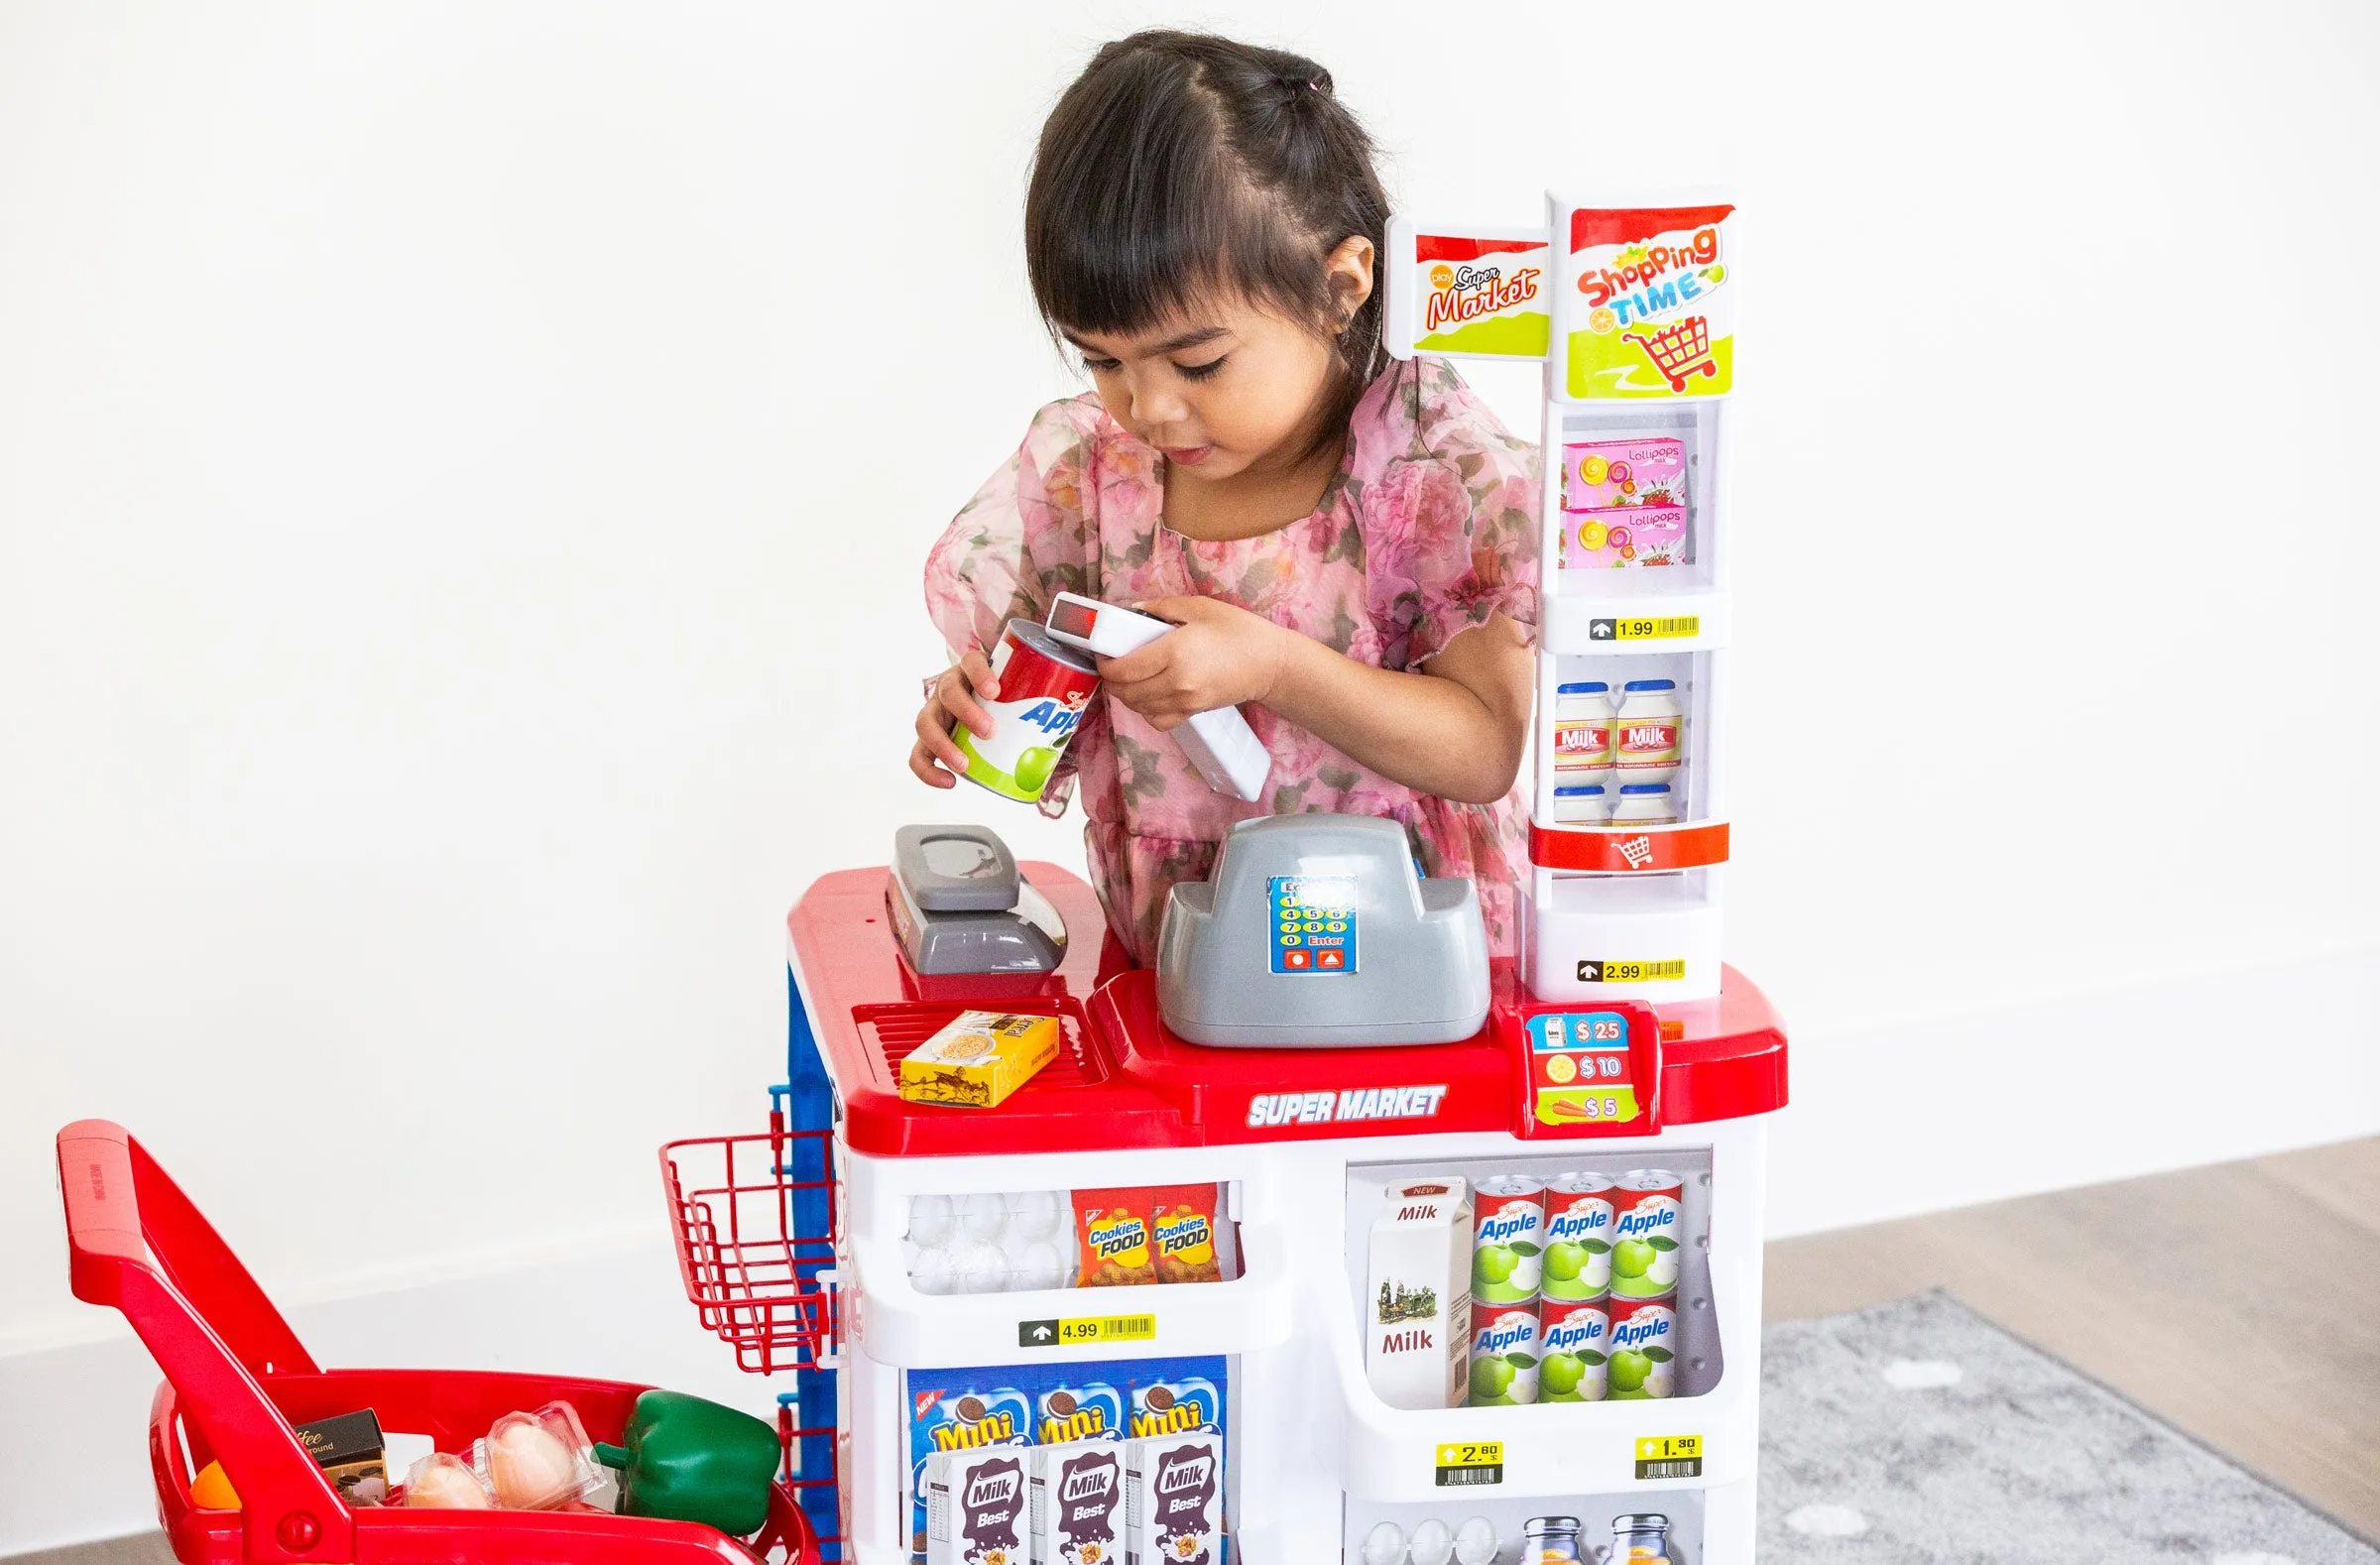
[238, 1381]
[1679, 352]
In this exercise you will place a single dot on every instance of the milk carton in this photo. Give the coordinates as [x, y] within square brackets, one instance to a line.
[975, 1506]
[1173, 1499]
[1417, 1307]
[1077, 1504]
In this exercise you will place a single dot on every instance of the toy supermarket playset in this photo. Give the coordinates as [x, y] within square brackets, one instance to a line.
[1328, 1238]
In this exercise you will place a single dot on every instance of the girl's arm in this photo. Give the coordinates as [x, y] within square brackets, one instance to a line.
[1455, 728]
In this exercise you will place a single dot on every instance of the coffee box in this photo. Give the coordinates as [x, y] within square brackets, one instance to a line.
[1077, 1502]
[1173, 1499]
[1417, 1304]
[975, 1506]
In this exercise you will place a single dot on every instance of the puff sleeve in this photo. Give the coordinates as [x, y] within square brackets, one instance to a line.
[1023, 540]
[1473, 503]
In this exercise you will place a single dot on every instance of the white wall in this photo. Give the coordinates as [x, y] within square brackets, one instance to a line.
[463, 471]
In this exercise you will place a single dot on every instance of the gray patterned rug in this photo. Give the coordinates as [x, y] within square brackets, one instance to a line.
[1918, 1433]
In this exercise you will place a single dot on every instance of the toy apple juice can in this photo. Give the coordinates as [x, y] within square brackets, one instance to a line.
[1648, 1223]
[1043, 688]
[1503, 1355]
[1578, 1236]
[1645, 1350]
[1574, 1345]
[1507, 1254]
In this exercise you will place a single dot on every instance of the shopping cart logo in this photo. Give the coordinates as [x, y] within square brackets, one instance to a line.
[1638, 850]
[1679, 352]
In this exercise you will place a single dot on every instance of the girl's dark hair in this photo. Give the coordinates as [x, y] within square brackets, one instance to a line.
[1180, 166]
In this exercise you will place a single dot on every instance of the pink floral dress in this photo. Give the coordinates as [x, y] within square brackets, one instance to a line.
[1429, 527]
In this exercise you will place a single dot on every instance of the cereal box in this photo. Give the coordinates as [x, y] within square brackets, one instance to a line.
[975, 1506]
[1077, 1504]
[978, 1058]
[1173, 1499]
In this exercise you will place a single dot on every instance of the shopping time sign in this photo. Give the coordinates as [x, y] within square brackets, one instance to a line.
[1628, 302]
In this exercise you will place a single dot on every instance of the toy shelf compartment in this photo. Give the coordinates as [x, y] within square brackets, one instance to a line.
[902, 1327]
[1453, 1507]
[1595, 596]
[1398, 1456]
[758, 1283]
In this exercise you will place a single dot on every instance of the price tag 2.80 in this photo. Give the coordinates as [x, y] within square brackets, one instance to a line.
[1465, 1463]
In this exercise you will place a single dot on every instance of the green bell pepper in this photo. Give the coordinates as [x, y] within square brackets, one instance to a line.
[691, 1460]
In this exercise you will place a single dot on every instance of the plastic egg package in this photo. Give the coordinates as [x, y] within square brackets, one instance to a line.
[991, 1244]
[1432, 1543]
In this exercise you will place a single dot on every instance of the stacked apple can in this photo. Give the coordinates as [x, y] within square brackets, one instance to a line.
[1573, 1288]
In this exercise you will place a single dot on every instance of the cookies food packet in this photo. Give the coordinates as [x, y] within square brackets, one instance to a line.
[1183, 1219]
[1114, 1242]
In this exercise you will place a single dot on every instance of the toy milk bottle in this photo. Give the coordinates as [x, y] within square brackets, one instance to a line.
[1642, 1539]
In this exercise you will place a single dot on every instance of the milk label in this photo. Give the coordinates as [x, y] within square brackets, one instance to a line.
[974, 1505]
[1417, 1305]
[1173, 1499]
[1078, 1504]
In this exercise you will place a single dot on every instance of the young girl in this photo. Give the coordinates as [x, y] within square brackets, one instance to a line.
[1348, 542]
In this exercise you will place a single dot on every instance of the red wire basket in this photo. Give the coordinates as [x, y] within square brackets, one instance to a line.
[753, 1277]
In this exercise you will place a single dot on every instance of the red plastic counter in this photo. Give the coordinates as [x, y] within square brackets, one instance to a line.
[1122, 1079]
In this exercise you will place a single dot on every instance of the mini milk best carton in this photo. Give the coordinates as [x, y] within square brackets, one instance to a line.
[975, 1506]
[1078, 1502]
[1417, 1307]
[1173, 1498]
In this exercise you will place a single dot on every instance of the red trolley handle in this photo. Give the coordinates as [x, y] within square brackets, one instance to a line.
[136, 1245]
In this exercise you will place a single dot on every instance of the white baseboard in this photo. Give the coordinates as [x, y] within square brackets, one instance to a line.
[1886, 1121]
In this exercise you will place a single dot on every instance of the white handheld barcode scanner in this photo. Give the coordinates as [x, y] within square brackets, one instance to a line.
[1220, 743]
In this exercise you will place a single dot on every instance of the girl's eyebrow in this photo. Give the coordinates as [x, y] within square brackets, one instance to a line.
[1188, 340]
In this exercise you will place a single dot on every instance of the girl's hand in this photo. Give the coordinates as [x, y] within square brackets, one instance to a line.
[936, 757]
[1221, 656]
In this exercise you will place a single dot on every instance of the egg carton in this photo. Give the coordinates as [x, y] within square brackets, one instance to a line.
[1002, 1242]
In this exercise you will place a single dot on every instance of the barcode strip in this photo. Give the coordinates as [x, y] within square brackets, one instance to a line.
[1467, 1477]
[1691, 1466]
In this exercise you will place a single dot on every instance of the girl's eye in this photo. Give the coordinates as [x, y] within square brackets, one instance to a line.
[1202, 372]
[1101, 366]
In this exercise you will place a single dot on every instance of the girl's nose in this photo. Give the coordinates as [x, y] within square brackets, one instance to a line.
[1154, 404]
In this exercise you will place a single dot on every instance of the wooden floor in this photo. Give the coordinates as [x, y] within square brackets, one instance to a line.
[2240, 1304]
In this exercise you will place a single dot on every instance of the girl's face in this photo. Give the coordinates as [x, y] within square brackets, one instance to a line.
[1229, 388]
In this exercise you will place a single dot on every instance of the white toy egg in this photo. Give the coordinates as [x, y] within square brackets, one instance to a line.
[1384, 1545]
[977, 1268]
[930, 1272]
[981, 1217]
[1475, 1543]
[930, 1219]
[1433, 1544]
[530, 1467]
[1033, 1214]
[1041, 1266]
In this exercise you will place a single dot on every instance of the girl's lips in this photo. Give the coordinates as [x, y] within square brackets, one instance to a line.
[1187, 456]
